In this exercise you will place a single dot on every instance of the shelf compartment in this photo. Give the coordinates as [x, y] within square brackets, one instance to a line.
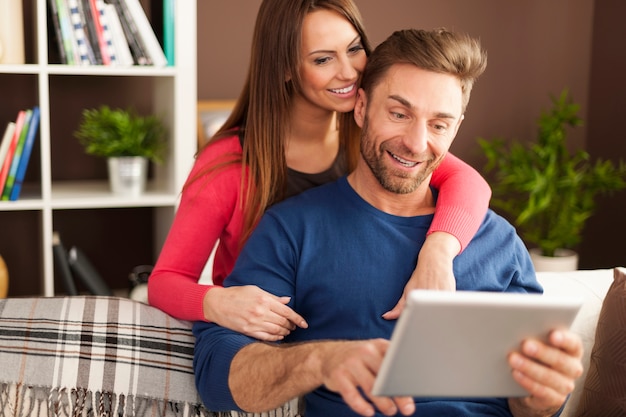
[114, 240]
[20, 247]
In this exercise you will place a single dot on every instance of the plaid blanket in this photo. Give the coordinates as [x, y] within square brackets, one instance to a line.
[91, 356]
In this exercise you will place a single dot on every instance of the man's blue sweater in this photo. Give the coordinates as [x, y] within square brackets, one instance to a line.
[344, 263]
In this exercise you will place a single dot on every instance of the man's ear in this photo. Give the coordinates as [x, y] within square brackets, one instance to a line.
[359, 107]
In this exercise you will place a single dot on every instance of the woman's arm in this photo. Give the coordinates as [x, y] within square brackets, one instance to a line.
[210, 210]
[205, 211]
[463, 200]
[461, 206]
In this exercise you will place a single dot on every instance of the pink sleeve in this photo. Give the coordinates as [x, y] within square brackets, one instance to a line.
[204, 212]
[463, 199]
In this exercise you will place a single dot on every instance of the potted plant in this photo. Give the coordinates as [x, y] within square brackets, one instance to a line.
[127, 140]
[548, 191]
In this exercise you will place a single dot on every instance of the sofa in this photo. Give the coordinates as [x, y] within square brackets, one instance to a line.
[107, 356]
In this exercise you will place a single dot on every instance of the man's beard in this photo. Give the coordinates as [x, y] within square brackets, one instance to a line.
[395, 181]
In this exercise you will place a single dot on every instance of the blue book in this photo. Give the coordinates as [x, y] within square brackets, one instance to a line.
[26, 151]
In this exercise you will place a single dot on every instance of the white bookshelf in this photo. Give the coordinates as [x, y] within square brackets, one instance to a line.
[174, 97]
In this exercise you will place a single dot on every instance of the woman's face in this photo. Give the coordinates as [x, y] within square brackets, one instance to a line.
[333, 59]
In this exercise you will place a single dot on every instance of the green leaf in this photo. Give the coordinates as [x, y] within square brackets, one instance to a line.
[549, 191]
[107, 132]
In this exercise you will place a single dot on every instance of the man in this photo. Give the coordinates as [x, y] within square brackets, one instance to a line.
[343, 253]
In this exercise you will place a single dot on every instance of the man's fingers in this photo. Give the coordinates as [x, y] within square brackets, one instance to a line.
[395, 312]
[568, 342]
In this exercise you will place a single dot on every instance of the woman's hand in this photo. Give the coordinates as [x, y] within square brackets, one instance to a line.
[433, 270]
[251, 311]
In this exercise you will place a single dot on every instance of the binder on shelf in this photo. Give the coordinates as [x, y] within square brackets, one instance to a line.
[62, 266]
[137, 48]
[24, 159]
[122, 49]
[67, 34]
[86, 18]
[102, 45]
[106, 33]
[146, 33]
[6, 164]
[83, 270]
[56, 24]
[169, 14]
[85, 54]
[15, 161]
[7, 137]
[11, 32]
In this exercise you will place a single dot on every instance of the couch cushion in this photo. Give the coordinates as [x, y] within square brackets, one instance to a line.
[604, 390]
[90, 356]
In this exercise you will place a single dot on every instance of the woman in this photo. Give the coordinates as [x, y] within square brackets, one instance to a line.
[292, 128]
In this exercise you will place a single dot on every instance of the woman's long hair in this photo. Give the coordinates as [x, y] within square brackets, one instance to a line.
[263, 110]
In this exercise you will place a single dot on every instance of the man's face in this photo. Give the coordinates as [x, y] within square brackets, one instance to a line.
[408, 123]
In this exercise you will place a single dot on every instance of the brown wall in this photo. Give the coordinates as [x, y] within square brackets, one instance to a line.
[603, 240]
[536, 48]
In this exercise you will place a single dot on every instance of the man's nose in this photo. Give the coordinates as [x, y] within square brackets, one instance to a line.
[416, 137]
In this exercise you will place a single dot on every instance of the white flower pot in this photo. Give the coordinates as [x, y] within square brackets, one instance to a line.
[564, 260]
[128, 175]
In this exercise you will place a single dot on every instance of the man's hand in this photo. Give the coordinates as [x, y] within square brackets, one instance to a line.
[547, 371]
[351, 366]
[263, 375]
[433, 270]
[251, 311]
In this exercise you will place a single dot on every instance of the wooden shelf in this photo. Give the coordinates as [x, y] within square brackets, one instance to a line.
[173, 97]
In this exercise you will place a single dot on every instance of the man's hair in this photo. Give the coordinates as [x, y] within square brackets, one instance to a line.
[436, 50]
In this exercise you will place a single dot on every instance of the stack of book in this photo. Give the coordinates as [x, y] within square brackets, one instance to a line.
[15, 149]
[110, 32]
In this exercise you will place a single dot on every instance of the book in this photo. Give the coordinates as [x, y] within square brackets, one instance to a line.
[28, 147]
[83, 270]
[153, 47]
[85, 54]
[7, 137]
[102, 44]
[169, 14]
[6, 164]
[123, 54]
[58, 35]
[137, 48]
[92, 37]
[61, 265]
[106, 33]
[67, 34]
[8, 185]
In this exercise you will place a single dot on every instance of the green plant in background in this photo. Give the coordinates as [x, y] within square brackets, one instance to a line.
[107, 132]
[549, 192]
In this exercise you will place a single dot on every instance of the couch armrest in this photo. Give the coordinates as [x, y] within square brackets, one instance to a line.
[96, 356]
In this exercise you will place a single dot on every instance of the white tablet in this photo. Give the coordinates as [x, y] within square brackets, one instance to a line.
[455, 344]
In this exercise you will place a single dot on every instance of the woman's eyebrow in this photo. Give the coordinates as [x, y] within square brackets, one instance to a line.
[329, 51]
